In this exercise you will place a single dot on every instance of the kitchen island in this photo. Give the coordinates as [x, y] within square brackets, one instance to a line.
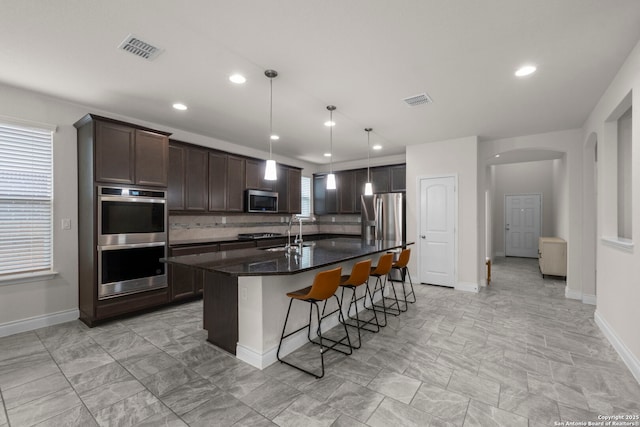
[245, 300]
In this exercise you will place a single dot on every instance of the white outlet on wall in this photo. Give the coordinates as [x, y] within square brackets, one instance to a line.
[66, 223]
[224, 219]
[333, 219]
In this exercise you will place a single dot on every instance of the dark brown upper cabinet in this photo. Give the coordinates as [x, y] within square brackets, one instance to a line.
[255, 175]
[350, 186]
[380, 179]
[125, 154]
[346, 188]
[188, 171]
[235, 183]
[226, 182]
[282, 187]
[176, 188]
[324, 201]
[295, 190]
[361, 180]
[217, 181]
[398, 178]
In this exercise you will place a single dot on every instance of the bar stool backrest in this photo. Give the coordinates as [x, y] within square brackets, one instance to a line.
[359, 273]
[384, 265]
[325, 284]
[403, 259]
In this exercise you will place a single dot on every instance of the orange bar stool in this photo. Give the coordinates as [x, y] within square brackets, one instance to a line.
[380, 272]
[323, 288]
[359, 276]
[401, 265]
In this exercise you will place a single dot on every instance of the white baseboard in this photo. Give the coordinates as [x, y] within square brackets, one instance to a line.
[572, 294]
[37, 322]
[483, 283]
[589, 299]
[466, 286]
[292, 343]
[627, 356]
[499, 253]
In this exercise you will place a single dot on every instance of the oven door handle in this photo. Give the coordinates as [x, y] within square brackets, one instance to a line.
[130, 199]
[130, 246]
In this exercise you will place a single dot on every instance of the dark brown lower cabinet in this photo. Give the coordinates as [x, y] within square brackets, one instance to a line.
[186, 282]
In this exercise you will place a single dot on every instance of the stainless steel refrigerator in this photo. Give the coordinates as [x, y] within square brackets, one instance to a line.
[384, 217]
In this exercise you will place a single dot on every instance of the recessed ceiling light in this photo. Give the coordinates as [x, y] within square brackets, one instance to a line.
[275, 137]
[329, 123]
[377, 147]
[497, 155]
[179, 106]
[327, 154]
[525, 70]
[237, 78]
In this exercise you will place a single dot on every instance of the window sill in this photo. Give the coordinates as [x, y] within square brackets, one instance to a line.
[14, 279]
[618, 243]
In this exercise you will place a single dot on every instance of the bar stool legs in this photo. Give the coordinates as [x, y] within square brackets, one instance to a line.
[323, 288]
[357, 323]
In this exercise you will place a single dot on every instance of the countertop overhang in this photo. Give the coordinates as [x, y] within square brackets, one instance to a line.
[260, 262]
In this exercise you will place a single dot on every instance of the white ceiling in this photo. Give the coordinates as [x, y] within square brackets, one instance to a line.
[364, 56]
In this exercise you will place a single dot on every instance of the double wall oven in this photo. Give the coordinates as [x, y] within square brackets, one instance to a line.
[132, 238]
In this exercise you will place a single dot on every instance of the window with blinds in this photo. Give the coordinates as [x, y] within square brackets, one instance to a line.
[26, 200]
[305, 196]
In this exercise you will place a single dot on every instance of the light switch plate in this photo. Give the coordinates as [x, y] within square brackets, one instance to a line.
[66, 223]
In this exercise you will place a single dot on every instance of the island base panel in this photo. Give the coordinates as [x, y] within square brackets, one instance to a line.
[221, 310]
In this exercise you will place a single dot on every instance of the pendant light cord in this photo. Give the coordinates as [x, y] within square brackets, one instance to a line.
[270, 117]
[331, 141]
[368, 155]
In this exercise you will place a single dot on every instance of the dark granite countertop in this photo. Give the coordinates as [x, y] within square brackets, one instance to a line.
[214, 240]
[260, 262]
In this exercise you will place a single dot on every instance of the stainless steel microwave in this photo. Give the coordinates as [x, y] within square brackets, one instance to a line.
[261, 201]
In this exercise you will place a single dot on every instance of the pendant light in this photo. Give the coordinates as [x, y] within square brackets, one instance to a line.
[331, 178]
[270, 172]
[368, 188]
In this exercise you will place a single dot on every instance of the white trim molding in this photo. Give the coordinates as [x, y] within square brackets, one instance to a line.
[466, 286]
[618, 243]
[627, 356]
[589, 299]
[37, 322]
[572, 293]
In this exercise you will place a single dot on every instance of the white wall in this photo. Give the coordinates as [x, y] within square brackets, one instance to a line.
[452, 157]
[522, 178]
[618, 269]
[33, 304]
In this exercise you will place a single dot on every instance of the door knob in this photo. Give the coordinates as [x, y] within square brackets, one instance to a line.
[423, 237]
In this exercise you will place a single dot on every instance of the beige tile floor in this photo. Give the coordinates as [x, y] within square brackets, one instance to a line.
[516, 354]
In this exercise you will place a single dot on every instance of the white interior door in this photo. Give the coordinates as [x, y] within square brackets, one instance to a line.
[522, 225]
[437, 231]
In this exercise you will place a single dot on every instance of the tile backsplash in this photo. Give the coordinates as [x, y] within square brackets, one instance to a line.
[186, 227]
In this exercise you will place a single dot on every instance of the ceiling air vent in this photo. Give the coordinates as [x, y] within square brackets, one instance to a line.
[420, 99]
[142, 49]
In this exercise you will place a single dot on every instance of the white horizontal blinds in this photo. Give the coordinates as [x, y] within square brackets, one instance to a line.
[305, 195]
[26, 199]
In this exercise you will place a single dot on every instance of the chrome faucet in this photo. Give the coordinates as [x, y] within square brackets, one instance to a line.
[289, 247]
[298, 239]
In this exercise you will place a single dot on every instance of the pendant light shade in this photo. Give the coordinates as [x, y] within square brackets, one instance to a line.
[331, 178]
[368, 188]
[270, 171]
[331, 181]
